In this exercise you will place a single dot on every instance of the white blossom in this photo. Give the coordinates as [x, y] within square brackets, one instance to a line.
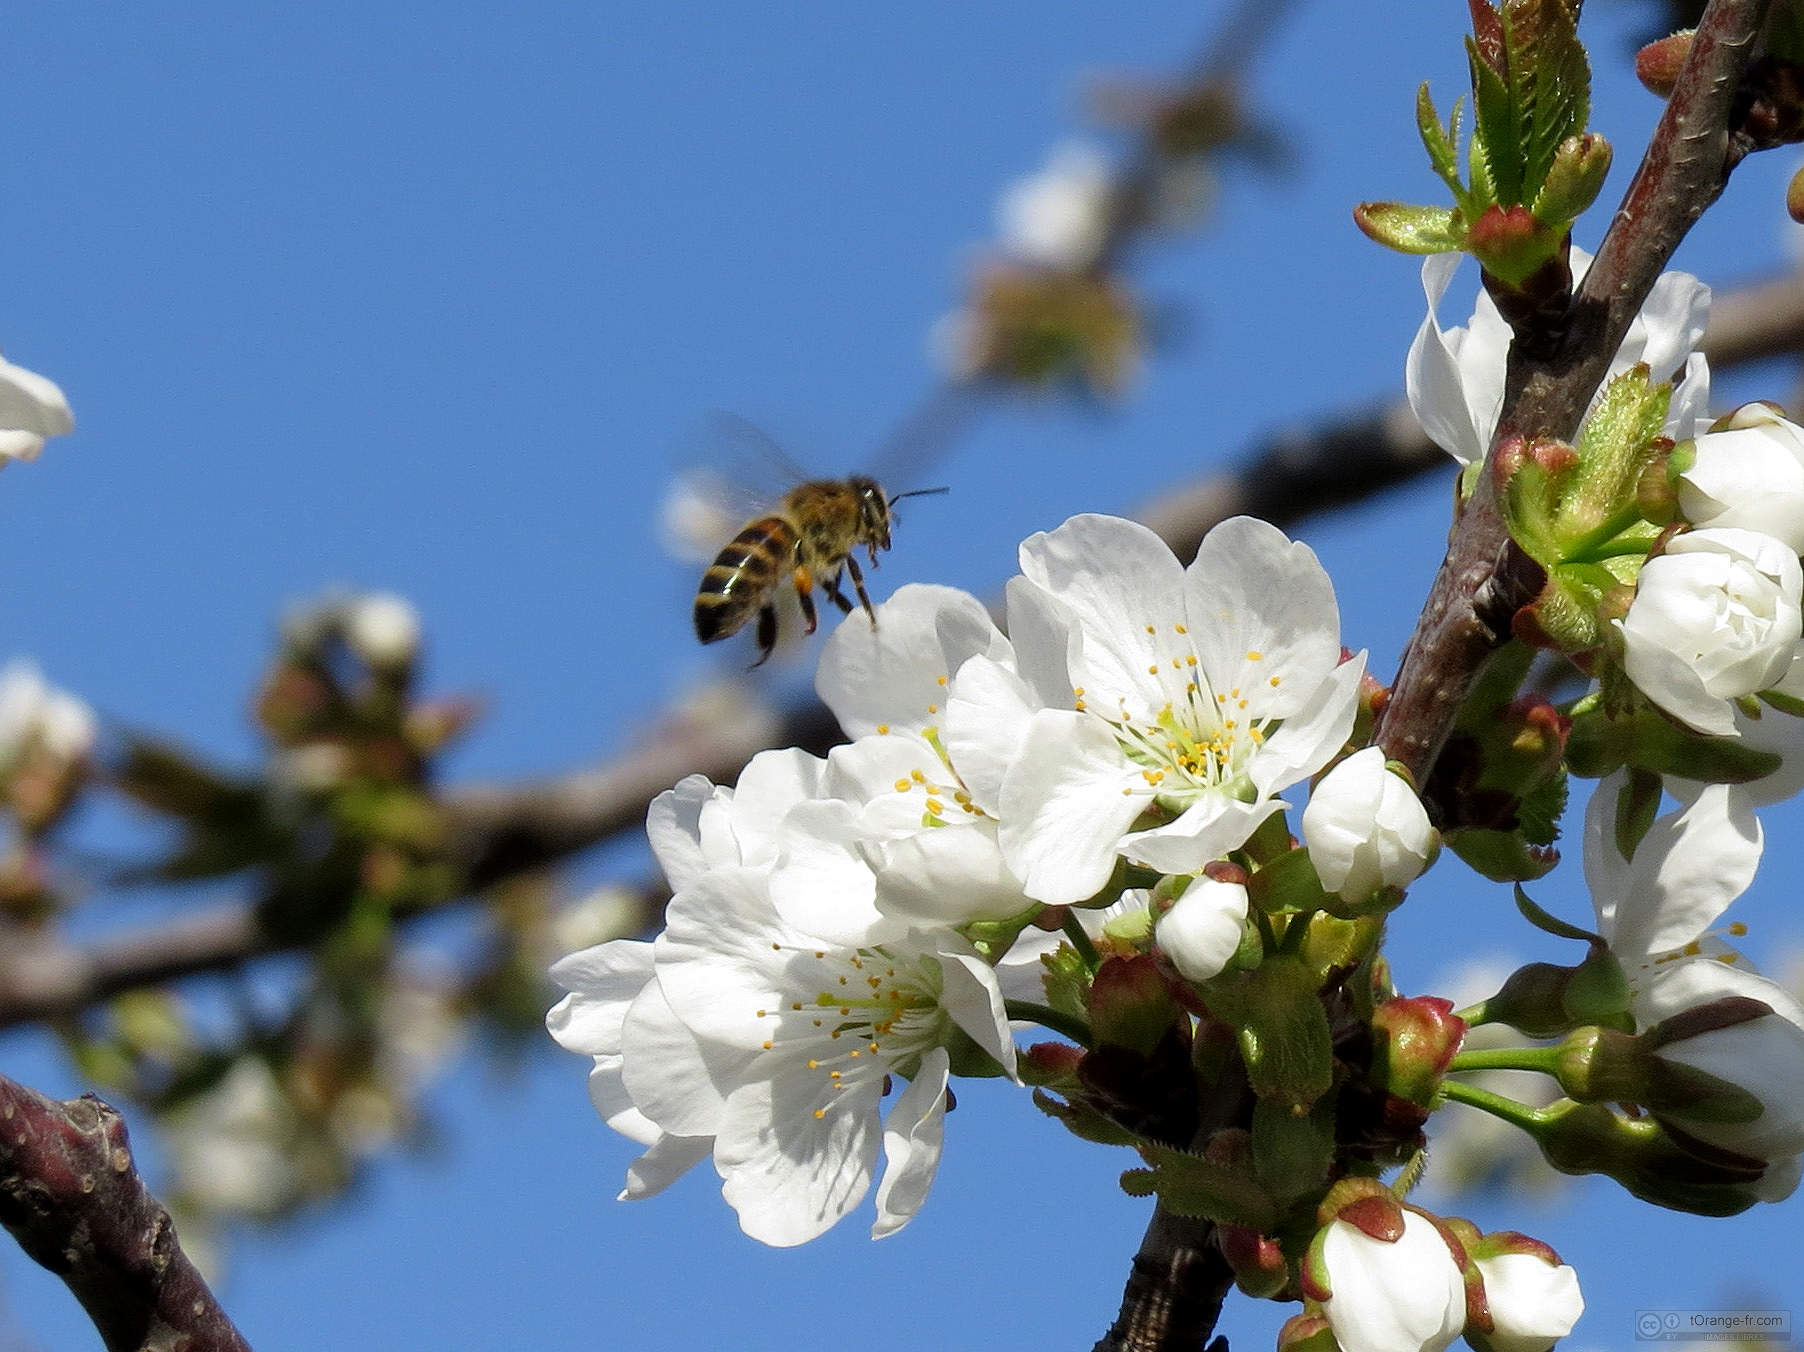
[32, 409]
[892, 838]
[1203, 928]
[1058, 217]
[1152, 711]
[1748, 475]
[1657, 912]
[1405, 1295]
[1533, 1302]
[1455, 376]
[1365, 828]
[382, 629]
[1714, 618]
[34, 714]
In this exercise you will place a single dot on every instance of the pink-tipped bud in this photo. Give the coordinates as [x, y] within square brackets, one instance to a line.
[1414, 1039]
[1658, 64]
[1257, 1260]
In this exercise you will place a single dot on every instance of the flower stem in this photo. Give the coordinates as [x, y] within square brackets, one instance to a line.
[1079, 939]
[1544, 1059]
[1066, 1025]
[1516, 1114]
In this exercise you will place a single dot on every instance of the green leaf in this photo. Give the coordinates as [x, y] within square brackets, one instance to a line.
[1539, 811]
[1441, 143]
[1067, 982]
[1084, 1123]
[1410, 229]
[1552, 80]
[1496, 130]
[1189, 1185]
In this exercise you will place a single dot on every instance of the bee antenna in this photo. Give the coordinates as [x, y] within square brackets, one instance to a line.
[918, 493]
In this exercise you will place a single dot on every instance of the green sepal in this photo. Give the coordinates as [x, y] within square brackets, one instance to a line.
[993, 938]
[1411, 229]
[1186, 1184]
[1790, 705]
[1066, 980]
[1292, 1152]
[1282, 1027]
[1600, 745]
[1502, 856]
[1548, 923]
[1612, 453]
[1287, 886]
[1084, 1123]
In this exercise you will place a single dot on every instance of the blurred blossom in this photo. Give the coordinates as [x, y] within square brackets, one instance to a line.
[34, 714]
[698, 516]
[1058, 217]
[382, 629]
[31, 409]
[608, 913]
[229, 1147]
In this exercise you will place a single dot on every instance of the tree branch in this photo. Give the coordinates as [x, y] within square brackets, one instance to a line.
[1484, 578]
[71, 1197]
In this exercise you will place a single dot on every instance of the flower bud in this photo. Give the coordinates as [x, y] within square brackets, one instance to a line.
[1414, 1039]
[1257, 1260]
[1658, 64]
[1202, 929]
[1533, 1298]
[1511, 244]
[1579, 168]
[1714, 618]
[1747, 473]
[1306, 1333]
[1386, 1279]
[1366, 829]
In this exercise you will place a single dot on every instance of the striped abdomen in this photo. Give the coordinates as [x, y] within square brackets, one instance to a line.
[742, 577]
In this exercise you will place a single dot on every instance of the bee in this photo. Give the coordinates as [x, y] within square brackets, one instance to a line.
[807, 541]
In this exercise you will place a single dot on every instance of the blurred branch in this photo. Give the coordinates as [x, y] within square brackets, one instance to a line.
[505, 830]
[72, 1198]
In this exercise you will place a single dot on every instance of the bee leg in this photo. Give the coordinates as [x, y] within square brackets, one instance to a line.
[864, 597]
[767, 635]
[804, 583]
[835, 595]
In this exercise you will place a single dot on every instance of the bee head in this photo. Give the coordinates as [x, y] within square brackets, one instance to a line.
[873, 511]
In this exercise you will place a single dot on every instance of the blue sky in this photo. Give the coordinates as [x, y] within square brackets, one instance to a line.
[342, 294]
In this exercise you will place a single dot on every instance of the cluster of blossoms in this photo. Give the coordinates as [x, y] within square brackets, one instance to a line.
[1079, 823]
[1110, 769]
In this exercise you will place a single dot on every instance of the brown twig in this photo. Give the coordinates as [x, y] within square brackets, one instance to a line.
[1484, 578]
[72, 1198]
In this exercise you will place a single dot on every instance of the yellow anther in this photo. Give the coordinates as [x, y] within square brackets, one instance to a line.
[1738, 929]
[819, 1113]
[935, 806]
[1151, 630]
[1254, 655]
[942, 680]
[901, 786]
[1180, 628]
[933, 708]
[1153, 670]
[768, 1044]
[883, 727]
[917, 776]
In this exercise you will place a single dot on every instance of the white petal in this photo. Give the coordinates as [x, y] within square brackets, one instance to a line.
[1262, 615]
[1065, 803]
[673, 825]
[1044, 634]
[670, 1076]
[1688, 868]
[788, 1173]
[603, 982]
[948, 875]
[614, 1102]
[769, 786]
[669, 1158]
[821, 883]
[987, 720]
[890, 674]
[1310, 739]
[912, 1137]
[1432, 375]
[1118, 580]
[973, 999]
[1205, 831]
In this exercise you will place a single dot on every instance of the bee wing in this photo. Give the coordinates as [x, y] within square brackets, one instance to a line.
[906, 458]
[729, 472]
